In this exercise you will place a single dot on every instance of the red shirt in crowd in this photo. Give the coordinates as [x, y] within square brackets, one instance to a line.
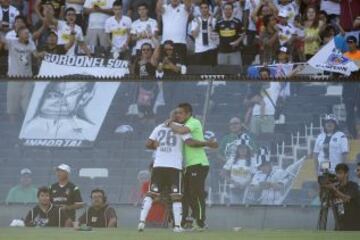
[349, 10]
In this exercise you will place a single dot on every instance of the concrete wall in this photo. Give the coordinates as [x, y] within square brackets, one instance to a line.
[219, 217]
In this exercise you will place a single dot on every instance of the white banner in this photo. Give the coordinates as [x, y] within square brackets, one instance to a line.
[62, 65]
[330, 59]
[66, 114]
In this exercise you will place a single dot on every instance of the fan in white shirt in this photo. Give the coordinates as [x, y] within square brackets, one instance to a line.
[118, 28]
[70, 32]
[99, 11]
[144, 30]
[202, 29]
[175, 17]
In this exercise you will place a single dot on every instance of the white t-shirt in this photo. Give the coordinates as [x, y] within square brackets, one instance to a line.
[170, 150]
[97, 20]
[240, 173]
[20, 58]
[11, 35]
[119, 31]
[337, 146]
[64, 32]
[149, 26]
[175, 23]
[199, 46]
[273, 91]
[285, 33]
[330, 7]
[13, 12]
[271, 196]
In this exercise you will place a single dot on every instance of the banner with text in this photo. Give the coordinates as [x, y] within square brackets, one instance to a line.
[63, 65]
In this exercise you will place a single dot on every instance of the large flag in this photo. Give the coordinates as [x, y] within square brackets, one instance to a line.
[330, 59]
[63, 65]
[66, 114]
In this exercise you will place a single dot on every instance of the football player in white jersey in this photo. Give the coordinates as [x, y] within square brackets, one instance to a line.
[167, 170]
[331, 146]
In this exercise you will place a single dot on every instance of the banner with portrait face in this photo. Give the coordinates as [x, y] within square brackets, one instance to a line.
[66, 114]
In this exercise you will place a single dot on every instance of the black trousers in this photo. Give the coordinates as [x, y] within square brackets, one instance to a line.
[206, 58]
[194, 192]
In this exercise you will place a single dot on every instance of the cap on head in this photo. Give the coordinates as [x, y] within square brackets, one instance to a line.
[351, 39]
[331, 117]
[64, 167]
[25, 171]
[283, 50]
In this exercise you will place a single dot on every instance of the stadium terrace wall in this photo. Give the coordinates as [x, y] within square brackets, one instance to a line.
[219, 217]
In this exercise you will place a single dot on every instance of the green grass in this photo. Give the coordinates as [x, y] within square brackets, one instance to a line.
[155, 234]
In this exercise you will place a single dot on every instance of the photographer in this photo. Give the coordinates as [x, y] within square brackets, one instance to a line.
[331, 148]
[346, 200]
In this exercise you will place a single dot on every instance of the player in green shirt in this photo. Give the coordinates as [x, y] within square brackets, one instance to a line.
[196, 162]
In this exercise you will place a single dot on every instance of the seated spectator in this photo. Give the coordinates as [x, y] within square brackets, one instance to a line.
[236, 132]
[98, 12]
[45, 214]
[20, 22]
[144, 29]
[52, 46]
[24, 192]
[146, 65]
[269, 40]
[8, 13]
[169, 62]
[202, 28]
[59, 7]
[269, 181]
[240, 169]
[99, 214]
[117, 29]
[70, 34]
[354, 51]
[230, 34]
[47, 24]
[175, 16]
[312, 30]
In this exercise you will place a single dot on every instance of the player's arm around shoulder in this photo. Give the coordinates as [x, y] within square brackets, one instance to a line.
[178, 128]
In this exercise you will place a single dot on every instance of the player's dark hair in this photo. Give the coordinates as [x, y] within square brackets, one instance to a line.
[43, 190]
[99, 190]
[342, 167]
[117, 3]
[70, 9]
[143, 4]
[186, 106]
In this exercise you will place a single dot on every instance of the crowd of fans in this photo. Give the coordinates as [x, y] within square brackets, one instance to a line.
[164, 36]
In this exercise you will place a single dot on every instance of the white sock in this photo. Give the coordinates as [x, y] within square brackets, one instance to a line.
[145, 208]
[177, 211]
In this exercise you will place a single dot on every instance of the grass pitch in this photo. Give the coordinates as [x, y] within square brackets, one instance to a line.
[163, 234]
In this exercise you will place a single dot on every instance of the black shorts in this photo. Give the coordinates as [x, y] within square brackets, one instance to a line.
[166, 180]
